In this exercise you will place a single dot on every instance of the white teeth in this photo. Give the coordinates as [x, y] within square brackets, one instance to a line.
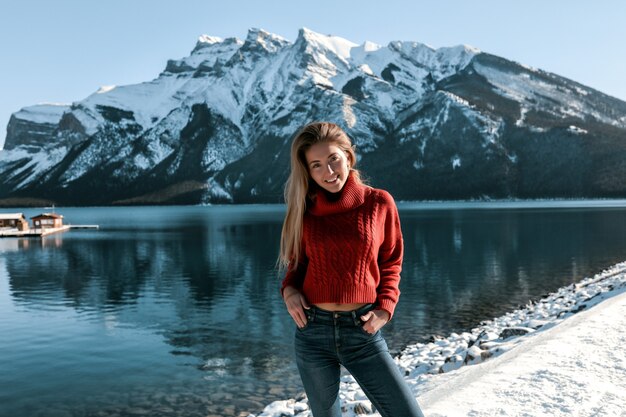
[333, 180]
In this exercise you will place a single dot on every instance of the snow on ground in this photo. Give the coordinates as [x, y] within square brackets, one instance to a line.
[576, 368]
[564, 355]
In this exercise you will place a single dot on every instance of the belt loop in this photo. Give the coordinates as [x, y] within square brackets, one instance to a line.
[312, 310]
[355, 319]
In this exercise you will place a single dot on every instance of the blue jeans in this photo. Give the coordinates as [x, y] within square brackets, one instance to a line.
[331, 339]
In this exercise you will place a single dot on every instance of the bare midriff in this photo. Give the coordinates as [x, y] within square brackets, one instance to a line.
[339, 307]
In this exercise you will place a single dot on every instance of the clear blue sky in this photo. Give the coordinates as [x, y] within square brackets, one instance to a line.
[63, 50]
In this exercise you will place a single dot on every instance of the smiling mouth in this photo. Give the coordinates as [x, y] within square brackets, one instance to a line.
[332, 181]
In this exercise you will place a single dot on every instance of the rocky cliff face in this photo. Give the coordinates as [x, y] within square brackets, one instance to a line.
[451, 123]
[34, 127]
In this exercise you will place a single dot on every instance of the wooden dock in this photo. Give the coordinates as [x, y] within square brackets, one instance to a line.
[45, 231]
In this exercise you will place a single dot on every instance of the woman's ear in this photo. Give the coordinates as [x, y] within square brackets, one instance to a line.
[349, 159]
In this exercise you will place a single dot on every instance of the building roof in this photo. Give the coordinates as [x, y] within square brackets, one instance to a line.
[11, 216]
[47, 216]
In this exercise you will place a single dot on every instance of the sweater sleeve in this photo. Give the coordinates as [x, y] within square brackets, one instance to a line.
[390, 258]
[296, 273]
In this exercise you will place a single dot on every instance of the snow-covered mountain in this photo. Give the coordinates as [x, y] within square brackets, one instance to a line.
[215, 126]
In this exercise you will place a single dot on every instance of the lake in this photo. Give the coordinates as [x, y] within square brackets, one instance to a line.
[176, 311]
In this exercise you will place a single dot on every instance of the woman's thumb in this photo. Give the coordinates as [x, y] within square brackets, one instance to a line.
[366, 316]
[305, 303]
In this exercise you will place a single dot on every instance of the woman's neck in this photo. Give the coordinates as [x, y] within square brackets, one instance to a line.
[333, 197]
[351, 196]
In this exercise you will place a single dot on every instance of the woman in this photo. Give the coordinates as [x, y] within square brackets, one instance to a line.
[342, 247]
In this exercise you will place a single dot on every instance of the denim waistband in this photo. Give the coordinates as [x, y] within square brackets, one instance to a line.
[317, 314]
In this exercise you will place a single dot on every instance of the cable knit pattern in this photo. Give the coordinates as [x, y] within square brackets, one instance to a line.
[352, 249]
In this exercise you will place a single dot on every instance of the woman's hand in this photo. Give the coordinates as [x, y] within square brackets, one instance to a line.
[296, 303]
[374, 320]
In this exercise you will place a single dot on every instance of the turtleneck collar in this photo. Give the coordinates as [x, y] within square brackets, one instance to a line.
[351, 196]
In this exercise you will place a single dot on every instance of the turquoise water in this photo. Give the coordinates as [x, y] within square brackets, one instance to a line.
[175, 311]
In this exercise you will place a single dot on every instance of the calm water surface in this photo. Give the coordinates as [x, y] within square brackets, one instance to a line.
[175, 311]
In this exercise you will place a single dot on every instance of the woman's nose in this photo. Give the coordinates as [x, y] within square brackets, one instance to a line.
[330, 168]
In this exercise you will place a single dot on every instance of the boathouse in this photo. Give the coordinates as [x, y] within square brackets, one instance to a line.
[47, 220]
[13, 221]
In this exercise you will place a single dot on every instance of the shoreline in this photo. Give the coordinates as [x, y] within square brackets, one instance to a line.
[545, 202]
[430, 367]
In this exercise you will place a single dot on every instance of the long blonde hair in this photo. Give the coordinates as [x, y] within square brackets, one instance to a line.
[300, 187]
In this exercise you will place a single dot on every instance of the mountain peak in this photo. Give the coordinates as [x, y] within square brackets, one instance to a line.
[43, 112]
[336, 44]
[206, 39]
[458, 50]
[261, 38]
[105, 89]
[369, 46]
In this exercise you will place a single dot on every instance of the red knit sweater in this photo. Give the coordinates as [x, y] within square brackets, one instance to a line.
[351, 249]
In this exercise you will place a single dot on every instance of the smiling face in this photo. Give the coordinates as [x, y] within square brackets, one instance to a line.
[328, 165]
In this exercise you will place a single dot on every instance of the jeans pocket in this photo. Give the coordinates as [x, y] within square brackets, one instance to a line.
[309, 319]
[362, 330]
